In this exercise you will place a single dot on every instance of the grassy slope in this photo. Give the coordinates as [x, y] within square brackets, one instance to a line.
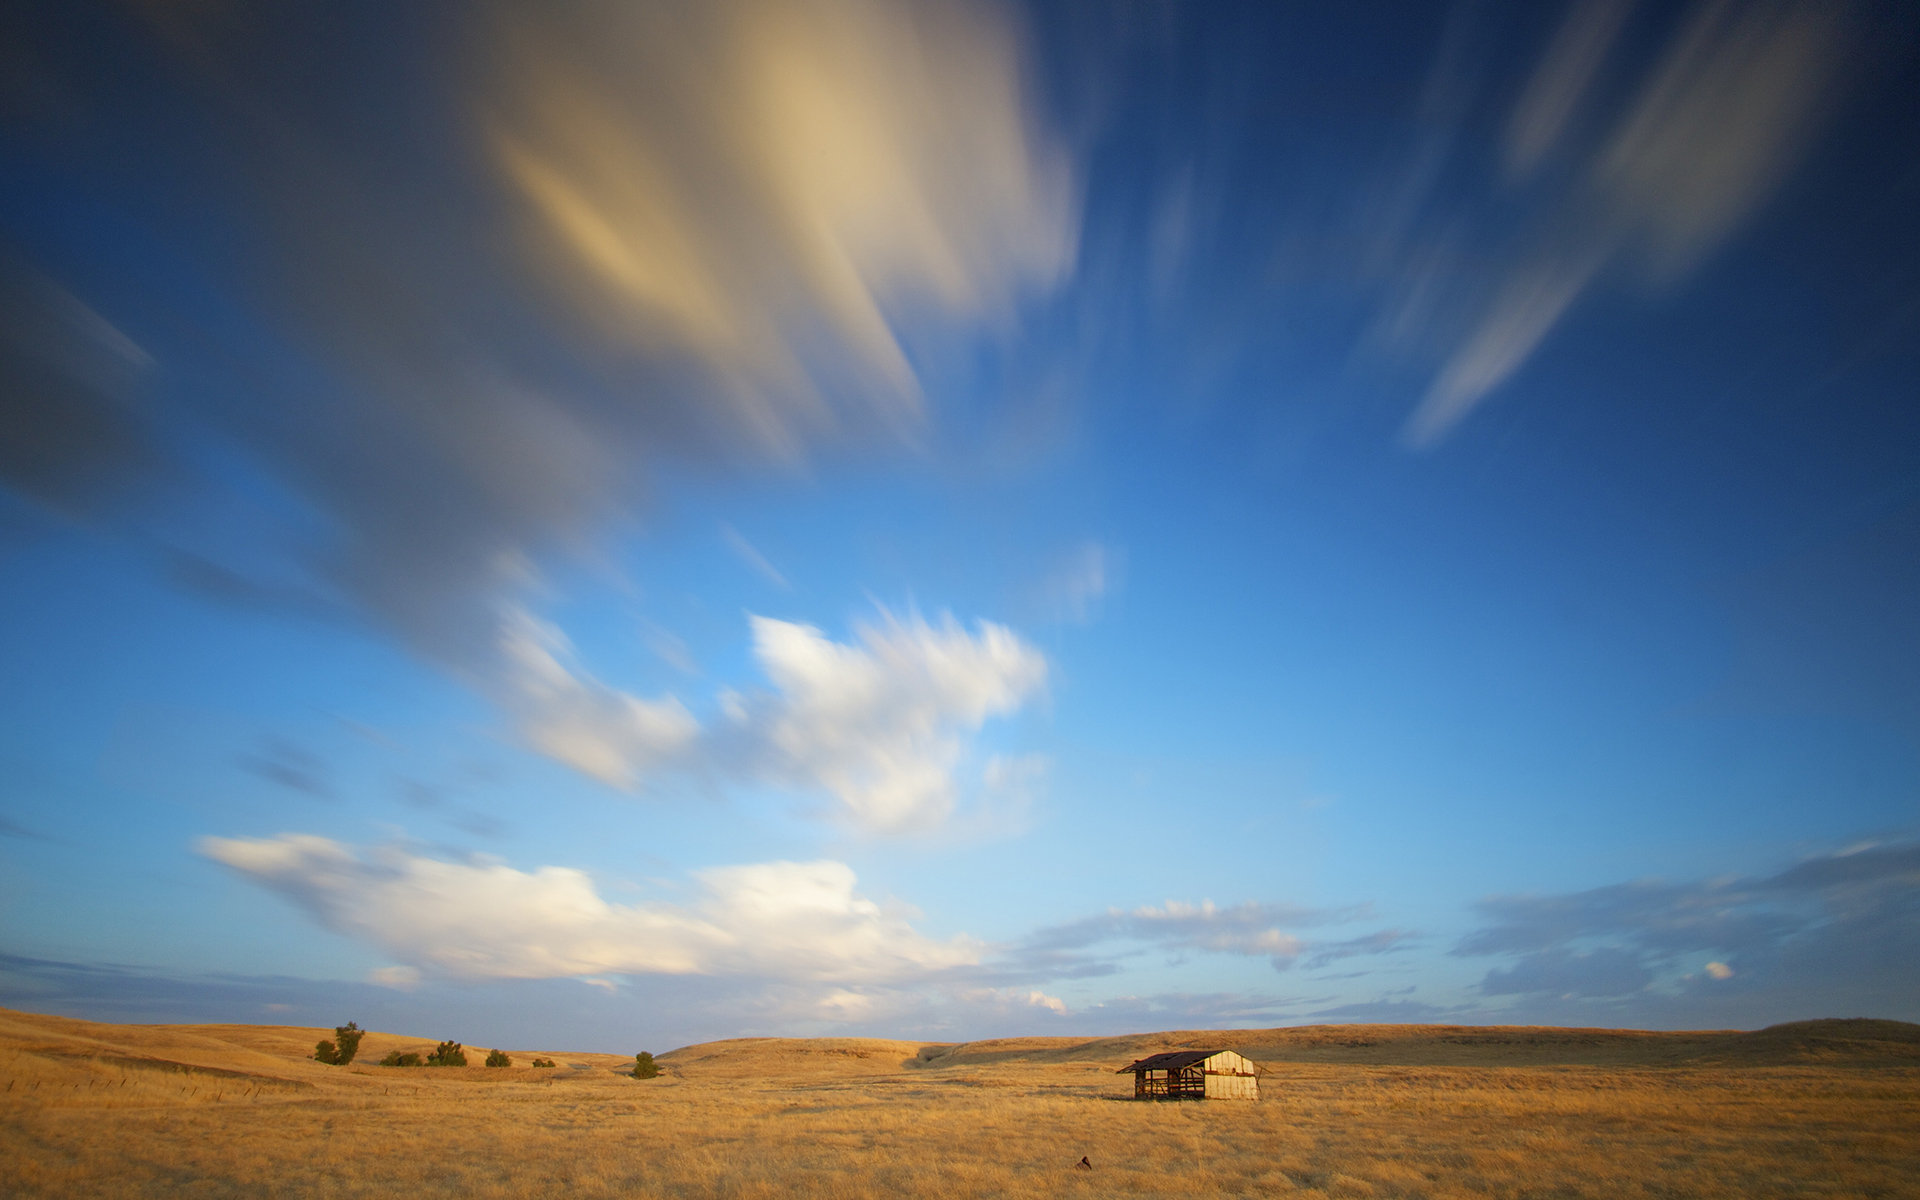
[1425, 1113]
[282, 1053]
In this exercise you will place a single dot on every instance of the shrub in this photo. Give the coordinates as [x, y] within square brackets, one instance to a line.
[544, 1062]
[499, 1058]
[644, 1067]
[345, 1044]
[447, 1054]
[396, 1059]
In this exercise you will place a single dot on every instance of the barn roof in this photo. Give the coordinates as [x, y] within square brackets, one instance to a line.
[1172, 1061]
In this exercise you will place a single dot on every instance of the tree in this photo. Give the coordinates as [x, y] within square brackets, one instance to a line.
[499, 1058]
[396, 1059]
[644, 1067]
[345, 1044]
[447, 1054]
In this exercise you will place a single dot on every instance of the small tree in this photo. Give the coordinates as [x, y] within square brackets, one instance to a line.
[345, 1044]
[499, 1058]
[544, 1062]
[447, 1054]
[396, 1059]
[644, 1067]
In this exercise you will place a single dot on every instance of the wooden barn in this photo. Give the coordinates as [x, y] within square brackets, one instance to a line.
[1195, 1074]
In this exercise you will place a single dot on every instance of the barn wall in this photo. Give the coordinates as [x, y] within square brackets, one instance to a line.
[1231, 1077]
[1232, 1087]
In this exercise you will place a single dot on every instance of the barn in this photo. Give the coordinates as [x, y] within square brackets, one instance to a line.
[1195, 1074]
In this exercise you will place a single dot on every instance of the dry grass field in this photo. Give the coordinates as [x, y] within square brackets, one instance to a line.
[1819, 1109]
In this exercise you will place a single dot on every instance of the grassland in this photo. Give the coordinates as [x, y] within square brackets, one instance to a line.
[1824, 1109]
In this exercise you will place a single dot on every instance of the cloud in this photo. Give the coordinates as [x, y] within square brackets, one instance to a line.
[759, 185]
[69, 430]
[403, 979]
[750, 555]
[879, 724]
[1693, 151]
[1560, 82]
[568, 243]
[1251, 929]
[1607, 971]
[575, 719]
[1013, 1000]
[14, 829]
[1073, 590]
[1836, 929]
[291, 767]
[485, 920]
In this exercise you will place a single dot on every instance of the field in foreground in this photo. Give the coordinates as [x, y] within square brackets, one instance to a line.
[1816, 1109]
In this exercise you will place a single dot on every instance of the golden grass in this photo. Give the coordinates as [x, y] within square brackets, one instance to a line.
[95, 1110]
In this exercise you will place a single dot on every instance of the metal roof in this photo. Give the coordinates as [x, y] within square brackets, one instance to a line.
[1170, 1062]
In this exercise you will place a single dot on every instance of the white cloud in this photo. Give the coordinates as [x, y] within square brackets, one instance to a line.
[481, 920]
[1719, 970]
[1004, 1001]
[403, 979]
[881, 724]
[577, 720]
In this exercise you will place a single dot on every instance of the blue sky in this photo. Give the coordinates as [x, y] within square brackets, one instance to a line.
[633, 524]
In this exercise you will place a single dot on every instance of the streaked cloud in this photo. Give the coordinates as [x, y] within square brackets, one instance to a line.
[1561, 80]
[486, 920]
[70, 432]
[751, 555]
[574, 242]
[771, 188]
[1694, 150]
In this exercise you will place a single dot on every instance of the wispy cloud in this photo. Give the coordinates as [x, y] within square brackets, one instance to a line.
[1837, 925]
[1074, 588]
[751, 555]
[1251, 930]
[292, 767]
[486, 920]
[1694, 150]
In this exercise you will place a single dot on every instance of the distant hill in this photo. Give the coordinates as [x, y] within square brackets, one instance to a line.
[1827, 1042]
[279, 1055]
[1838, 1042]
[276, 1056]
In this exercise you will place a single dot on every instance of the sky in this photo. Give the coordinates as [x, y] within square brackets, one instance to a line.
[613, 525]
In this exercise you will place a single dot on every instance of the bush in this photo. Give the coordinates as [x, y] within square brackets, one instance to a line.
[498, 1058]
[396, 1059]
[544, 1062]
[447, 1054]
[345, 1044]
[644, 1067]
